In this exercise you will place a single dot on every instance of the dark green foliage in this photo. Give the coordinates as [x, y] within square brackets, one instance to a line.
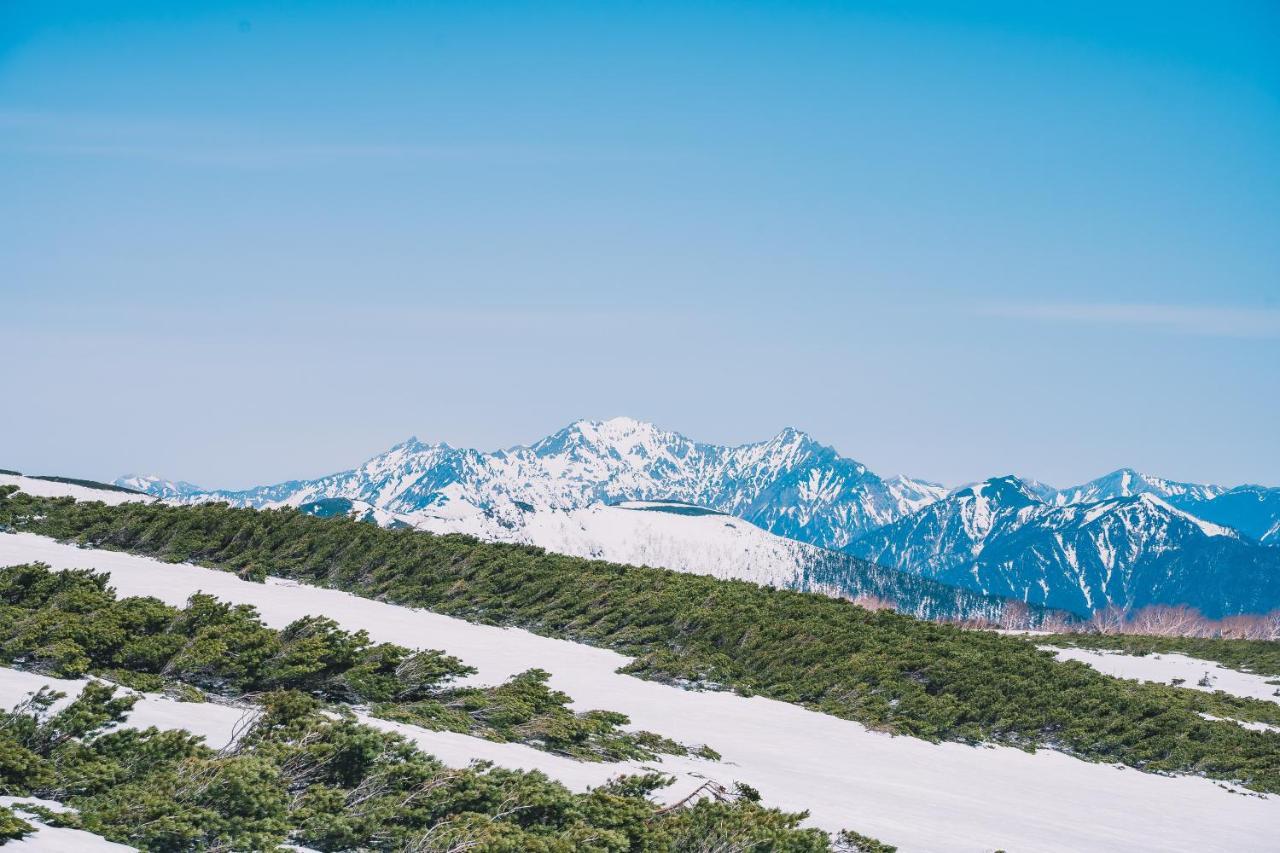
[69, 623]
[525, 709]
[306, 778]
[1260, 656]
[887, 670]
[677, 509]
[13, 827]
[849, 841]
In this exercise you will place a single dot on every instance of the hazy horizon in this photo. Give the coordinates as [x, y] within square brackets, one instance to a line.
[334, 469]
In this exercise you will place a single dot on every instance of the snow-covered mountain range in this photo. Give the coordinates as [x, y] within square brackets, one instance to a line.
[1087, 546]
[159, 487]
[1001, 537]
[789, 485]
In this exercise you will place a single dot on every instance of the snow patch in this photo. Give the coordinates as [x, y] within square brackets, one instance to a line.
[1164, 668]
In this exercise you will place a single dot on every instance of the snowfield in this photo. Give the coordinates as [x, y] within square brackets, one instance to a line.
[638, 533]
[50, 489]
[1164, 668]
[635, 534]
[911, 793]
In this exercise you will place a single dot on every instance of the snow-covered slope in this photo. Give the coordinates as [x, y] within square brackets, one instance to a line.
[790, 485]
[55, 488]
[917, 795]
[999, 538]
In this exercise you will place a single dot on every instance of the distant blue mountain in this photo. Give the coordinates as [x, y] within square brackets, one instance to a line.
[1001, 538]
[1253, 510]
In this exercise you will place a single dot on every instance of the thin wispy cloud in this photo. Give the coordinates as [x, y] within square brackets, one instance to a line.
[276, 155]
[1209, 320]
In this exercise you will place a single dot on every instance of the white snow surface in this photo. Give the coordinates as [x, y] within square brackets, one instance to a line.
[908, 792]
[637, 533]
[1165, 667]
[53, 839]
[50, 489]
[1244, 724]
[720, 545]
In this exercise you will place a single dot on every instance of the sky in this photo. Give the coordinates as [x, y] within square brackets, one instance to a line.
[245, 242]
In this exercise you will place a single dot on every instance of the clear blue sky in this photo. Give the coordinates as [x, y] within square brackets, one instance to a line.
[243, 242]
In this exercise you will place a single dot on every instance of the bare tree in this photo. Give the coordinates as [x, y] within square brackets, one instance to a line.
[1109, 620]
[1015, 616]
[873, 602]
[1272, 622]
[1167, 621]
[1246, 627]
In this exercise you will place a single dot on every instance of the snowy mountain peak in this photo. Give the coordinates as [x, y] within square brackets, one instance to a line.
[1008, 491]
[792, 437]
[789, 484]
[620, 436]
[623, 425]
[618, 430]
[1127, 482]
[1043, 491]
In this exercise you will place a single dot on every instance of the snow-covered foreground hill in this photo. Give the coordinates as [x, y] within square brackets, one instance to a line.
[917, 795]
